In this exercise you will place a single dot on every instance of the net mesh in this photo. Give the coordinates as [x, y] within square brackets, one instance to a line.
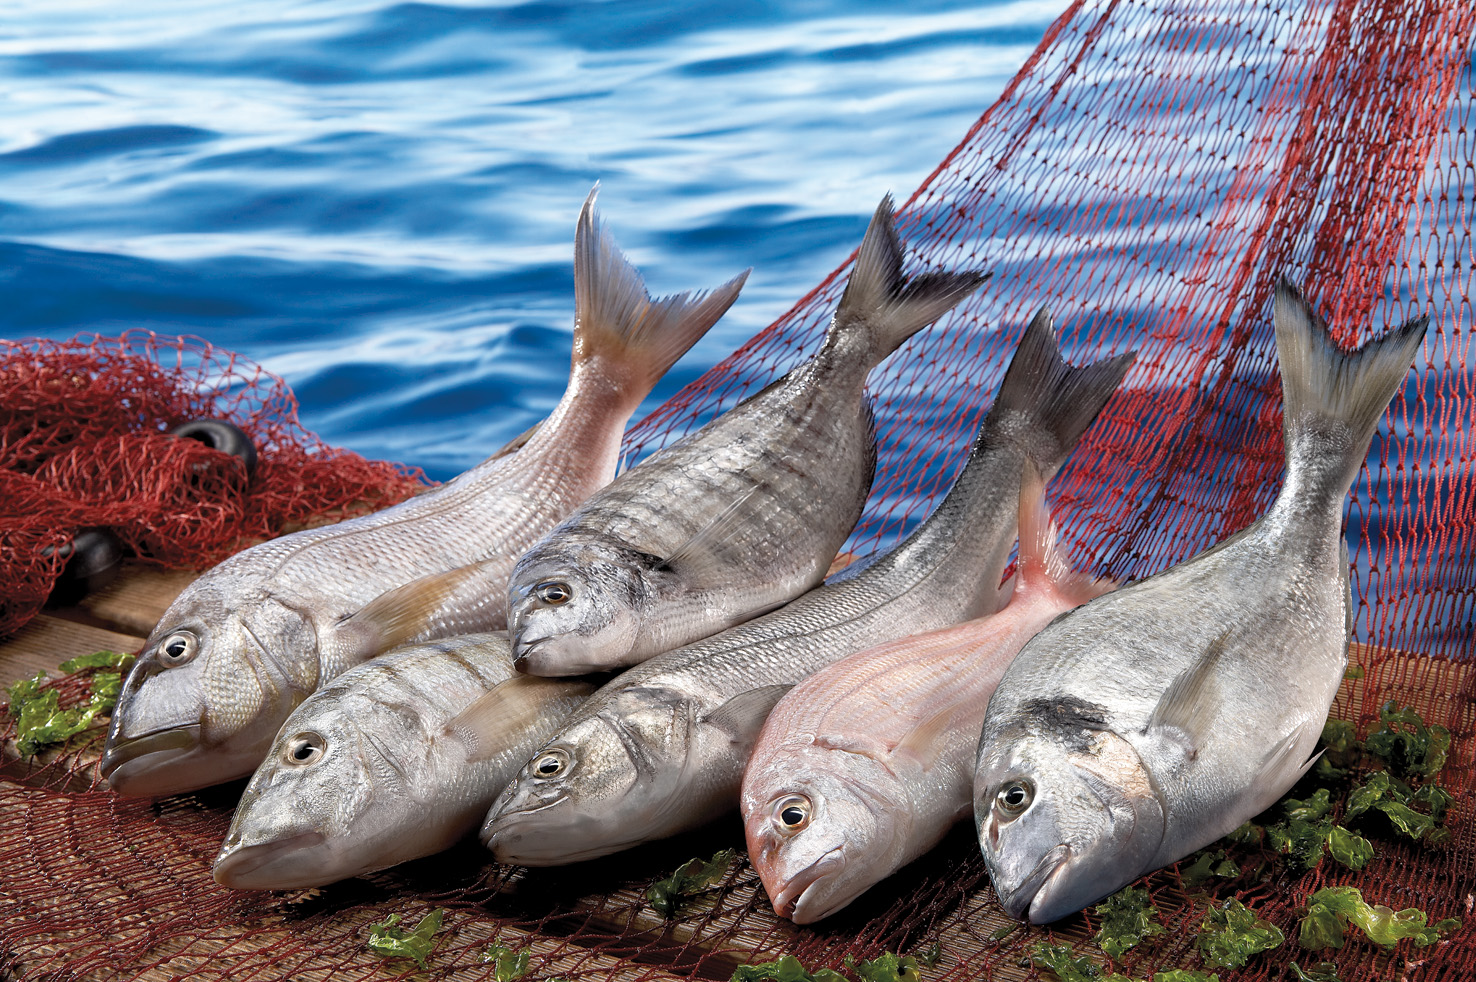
[1150, 172]
[84, 444]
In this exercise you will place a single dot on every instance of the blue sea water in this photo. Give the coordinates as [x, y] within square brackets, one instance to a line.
[376, 200]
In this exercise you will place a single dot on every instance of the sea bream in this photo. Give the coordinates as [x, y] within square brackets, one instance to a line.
[865, 765]
[395, 759]
[1152, 721]
[741, 516]
[662, 747]
[253, 637]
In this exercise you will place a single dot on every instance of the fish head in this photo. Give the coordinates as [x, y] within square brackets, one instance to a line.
[575, 607]
[605, 783]
[327, 792]
[1063, 819]
[208, 692]
[823, 826]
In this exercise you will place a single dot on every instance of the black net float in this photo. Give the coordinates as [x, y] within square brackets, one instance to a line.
[223, 436]
[93, 558]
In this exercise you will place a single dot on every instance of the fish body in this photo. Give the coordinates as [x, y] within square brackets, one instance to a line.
[865, 765]
[254, 636]
[1152, 721]
[385, 764]
[739, 517]
[662, 747]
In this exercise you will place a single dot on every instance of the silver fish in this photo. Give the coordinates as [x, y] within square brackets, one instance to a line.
[662, 747]
[249, 640]
[743, 515]
[395, 759]
[1152, 721]
[865, 765]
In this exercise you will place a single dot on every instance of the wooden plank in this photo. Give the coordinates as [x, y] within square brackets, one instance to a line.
[133, 603]
[49, 640]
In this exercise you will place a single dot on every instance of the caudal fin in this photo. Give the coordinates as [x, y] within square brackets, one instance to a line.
[1332, 399]
[881, 304]
[616, 319]
[1059, 400]
[1044, 560]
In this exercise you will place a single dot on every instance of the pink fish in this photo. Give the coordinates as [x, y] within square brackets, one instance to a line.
[864, 766]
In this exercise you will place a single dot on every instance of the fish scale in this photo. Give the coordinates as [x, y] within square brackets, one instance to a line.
[662, 747]
[251, 638]
[396, 778]
[741, 516]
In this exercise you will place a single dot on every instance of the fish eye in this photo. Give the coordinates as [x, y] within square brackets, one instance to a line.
[1015, 796]
[792, 814]
[304, 749]
[177, 649]
[554, 592]
[550, 763]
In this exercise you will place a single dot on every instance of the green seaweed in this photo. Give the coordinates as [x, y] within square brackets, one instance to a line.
[1209, 864]
[1128, 918]
[1060, 962]
[886, 967]
[784, 969]
[1231, 933]
[507, 963]
[40, 720]
[1407, 743]
[1320, 972]
[1330, 911]
[390, 940]
[693, 876]
[1185, 975]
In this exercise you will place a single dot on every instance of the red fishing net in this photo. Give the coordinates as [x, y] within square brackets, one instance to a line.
[84, 444]
[1148, 175]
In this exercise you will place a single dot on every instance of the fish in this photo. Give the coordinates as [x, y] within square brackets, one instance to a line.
[661, 748]
[741, 516]
[250, 639]
[1151, 721]
[865, 765]
[395, 759]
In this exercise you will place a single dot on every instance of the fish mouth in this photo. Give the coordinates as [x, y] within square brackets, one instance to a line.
[790, 903]
[1024, 895]
[522, 649]
[270, 865]
[558, 845]
[132, 760]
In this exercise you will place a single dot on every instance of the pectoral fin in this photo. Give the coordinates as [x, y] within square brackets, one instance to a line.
[742, 716]
[707, 551]
[507, 710]
[925, 743]
[1185, 714]
[405, 614]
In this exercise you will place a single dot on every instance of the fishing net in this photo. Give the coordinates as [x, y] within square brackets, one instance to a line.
[1148, 175]
[84, 444]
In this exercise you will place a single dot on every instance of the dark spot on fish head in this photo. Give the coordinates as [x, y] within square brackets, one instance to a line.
[1067, 718]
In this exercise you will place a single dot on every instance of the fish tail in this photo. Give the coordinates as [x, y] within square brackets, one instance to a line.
[616, 320]
[1058, 400]
[880, 305]
[1332, 399]
[1044, 559]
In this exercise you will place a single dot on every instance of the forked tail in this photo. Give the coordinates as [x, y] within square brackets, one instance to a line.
[880, 308]
[1057, 401]
[1332, 399]
[616, 319]
[1045, 562]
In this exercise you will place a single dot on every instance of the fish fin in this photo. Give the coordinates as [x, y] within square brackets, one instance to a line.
[1279, 768]
[924, 743]
[742, 716]
[1186, 712]
[881, 303]
[705, 550]
[407, 612]
[1043, 557]
[1058, 399]
[1332, 399]
[616, 318]
[507, 710]
[517, 443]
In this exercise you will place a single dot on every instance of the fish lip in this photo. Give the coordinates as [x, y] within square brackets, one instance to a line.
[236, 863]
[509, 821]
[1024, 895]
[119, 752]
[789, 899]
[522, 649]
